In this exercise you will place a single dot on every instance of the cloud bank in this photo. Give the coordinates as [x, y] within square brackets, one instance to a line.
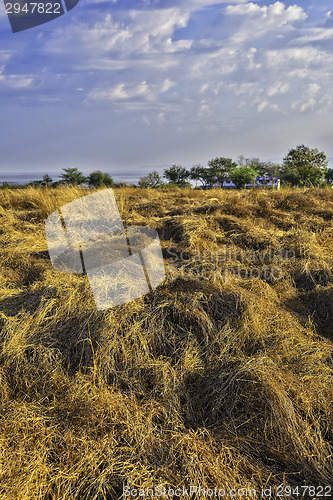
[133, 85]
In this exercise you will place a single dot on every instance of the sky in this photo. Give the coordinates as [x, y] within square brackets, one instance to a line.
[132, 86]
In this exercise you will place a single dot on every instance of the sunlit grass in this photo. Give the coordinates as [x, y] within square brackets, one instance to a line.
[218, 380]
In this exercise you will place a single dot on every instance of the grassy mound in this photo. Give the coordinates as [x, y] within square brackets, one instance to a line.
[220, 378]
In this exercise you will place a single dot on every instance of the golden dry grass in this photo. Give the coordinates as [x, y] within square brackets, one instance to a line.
[215, 379]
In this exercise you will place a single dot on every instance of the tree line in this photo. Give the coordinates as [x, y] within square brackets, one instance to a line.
[72, 177]
[301, 166]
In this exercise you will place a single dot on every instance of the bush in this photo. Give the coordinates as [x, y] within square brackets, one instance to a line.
[99, 179]
[241, 176]
[303, 166]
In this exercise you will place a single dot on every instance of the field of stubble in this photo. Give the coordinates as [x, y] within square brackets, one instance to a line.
[221, 377]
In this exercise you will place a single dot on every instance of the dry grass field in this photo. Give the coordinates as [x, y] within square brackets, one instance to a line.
[220, 378]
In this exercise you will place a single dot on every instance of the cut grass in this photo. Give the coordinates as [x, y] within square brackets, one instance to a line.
[212, 380]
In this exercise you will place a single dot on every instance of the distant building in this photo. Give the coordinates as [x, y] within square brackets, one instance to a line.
[260, 182]
[265, 181]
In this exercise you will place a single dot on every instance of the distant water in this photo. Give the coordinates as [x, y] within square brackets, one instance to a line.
[24, 178]
[20, 178]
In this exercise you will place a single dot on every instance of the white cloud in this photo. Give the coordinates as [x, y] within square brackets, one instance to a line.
[5, 55]
[278, 88]
[255, 22]
[121, 91]
[16, 81]
[166, 85]
[122, 40]
[124, 91]
[275, 14]
[136, 56]
[316, 35]
[313, 89]
[262, 106]
[296, 55]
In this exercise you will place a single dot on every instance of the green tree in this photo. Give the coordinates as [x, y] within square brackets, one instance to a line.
[329, 176]
[177, 175]
[199, 173]
[219, 169]
[99, 179]
[241, 176]
[107, 180]
[152, 180]
[303, 166]
[35, 183]
[47, 181]
[73, 177]
[254, 162]
[264, 168]
[270, 169]
[57, 184]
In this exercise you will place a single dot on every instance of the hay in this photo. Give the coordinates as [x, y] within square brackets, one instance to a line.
[218, 379]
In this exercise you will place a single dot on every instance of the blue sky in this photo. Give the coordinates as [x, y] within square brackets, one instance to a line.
[134, 86]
